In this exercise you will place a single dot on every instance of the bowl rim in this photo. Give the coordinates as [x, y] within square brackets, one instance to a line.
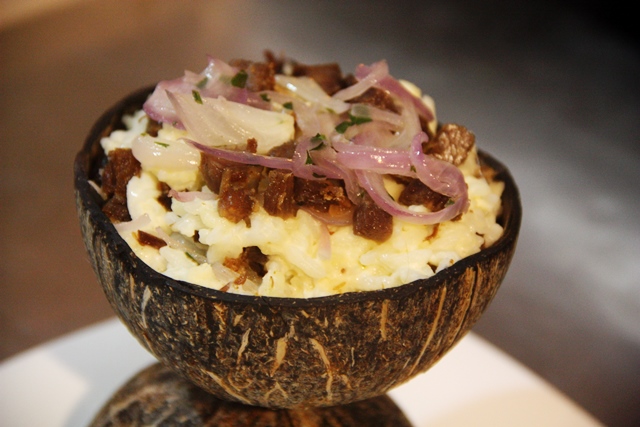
[85, 161]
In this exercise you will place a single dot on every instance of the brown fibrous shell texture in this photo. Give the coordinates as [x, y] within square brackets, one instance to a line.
[159, 396]
[285, 352]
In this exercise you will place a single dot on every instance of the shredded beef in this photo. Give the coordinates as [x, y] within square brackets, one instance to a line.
[120, 168]
[278, 194]
[451, 143]
[249, 265]
[371, 221]
[238, 192]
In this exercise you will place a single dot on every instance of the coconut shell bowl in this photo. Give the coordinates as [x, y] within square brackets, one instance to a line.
[285, 353]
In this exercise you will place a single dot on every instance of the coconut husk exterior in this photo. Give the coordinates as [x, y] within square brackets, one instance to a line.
[159, 396]
[283, 352]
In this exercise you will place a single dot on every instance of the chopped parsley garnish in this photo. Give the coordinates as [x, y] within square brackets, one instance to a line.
[162, 144]
[202, 83]
[288, 105]
[353, 120]
[265, 97]
[342, 127]
[240, 79]
[318, 138]
[196, 96]
[309, 160]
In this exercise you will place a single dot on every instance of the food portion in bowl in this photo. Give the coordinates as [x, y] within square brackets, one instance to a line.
[276, 178]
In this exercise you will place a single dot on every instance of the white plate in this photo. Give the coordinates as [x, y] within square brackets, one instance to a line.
[65, 382]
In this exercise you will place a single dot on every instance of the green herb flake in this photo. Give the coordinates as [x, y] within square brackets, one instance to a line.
[309, 160]
[265, 97]
[191, 257]
[240, 79]
[202, 83]
[353, 120]
[288, 105]
[318, 138]
[162, 144]
[413, 168]
[196, 96]
[342, 127]
[359, 120]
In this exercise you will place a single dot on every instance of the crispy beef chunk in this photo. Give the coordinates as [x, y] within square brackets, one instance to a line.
[164, 198]
[276, 63]
[325, 198]
[452, 144]
[417, 193]
[278, 194]
[146, 239]
[328, 76]
[249, 265]
[285, 150]
[116, 209]
[260, 75]
[370, 221]
[153, 127]
[120, 168]
[373, 96]
[252, 145]
[211, 169]
[238, 192]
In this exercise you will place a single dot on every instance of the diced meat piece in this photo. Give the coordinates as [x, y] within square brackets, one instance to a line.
[260, 75]
[373, 96]
[211, 169]
[371, 221]
[417, 193]
[325, 198]
[238, 192]
[249, 265]
[146, 239]
[376, 98]
[276, 63]
[120, 168]
[452, 144]
[153, 127]
[278, 194]
[116, 209]
[285, 150]
[164, 198]
[328, 76]
[252, 145]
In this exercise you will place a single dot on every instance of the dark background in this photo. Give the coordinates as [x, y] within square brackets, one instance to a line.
[550, 88]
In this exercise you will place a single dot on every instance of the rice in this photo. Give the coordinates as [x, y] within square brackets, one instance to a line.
[306, 258]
